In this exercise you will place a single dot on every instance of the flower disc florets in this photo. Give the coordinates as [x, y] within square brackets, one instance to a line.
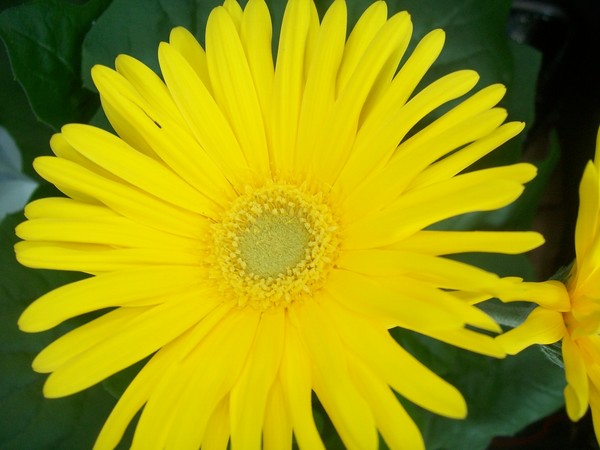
[274, 245]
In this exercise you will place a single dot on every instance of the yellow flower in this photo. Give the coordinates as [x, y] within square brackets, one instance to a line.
[257, 228]
[575, 322]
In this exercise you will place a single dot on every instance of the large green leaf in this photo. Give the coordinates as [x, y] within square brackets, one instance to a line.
[31, 136]
[135, 27]
[43, 39]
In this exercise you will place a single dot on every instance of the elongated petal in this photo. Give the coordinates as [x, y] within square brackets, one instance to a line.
[469, 340]
[217, 429]
[277, 429]
[366, 28]
[463, 158]
[225, 349]
[288, 83]
[149, 85]
[396, 426]
[386, 127]
[452, 242]
[348, 410]
[256, 34]
[234, 89]
[66, 208]
[319, 92]
[337, 138]
[134, 397]
[296, 382]
[203, 115]
[364, 295]
[104, 230]
[83, 338]
[407, 376]
[542, 326]
[428, 207]
[186, 44]
[577, 389]
[150, 329]
[93, 259]
[145, 286]
[122, 198]
[118, 158]
[551, 294]
[255, 382]
[171, 141]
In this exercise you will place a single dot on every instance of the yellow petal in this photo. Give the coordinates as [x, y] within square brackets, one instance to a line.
[217, 429]
[542, 326]
[114, 231]
[150, 330]
[550, 294]
[83, 338]
[234, 90]
[419, 276]
[366, 28]
[235, 12]
[256, 34]
[452, 242]
[203, 115]
[66, 208]
[577, 390]
[134, 397]
[463, 158]
[388, 124]
[225, 350]
[347, 409]
[164, 139]
[288, 83]
[395, 425]
[389, 361]
[149, 86]
[424, 207]
[93, 259]
[469, 340]
[145, 286]
[255, 381]
[186, 44]
[586, 229]
[277, 429]
[366, 296]
[319, 92]
[118, 158]
[595, 400]
[416, 154]
[194, 391]
[337, 138]
[296, 382]
[121, 197]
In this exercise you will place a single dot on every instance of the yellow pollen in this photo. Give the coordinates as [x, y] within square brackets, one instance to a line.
[273, 246]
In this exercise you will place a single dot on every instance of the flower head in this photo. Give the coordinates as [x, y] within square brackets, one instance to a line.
[576, 321]
[258, 226]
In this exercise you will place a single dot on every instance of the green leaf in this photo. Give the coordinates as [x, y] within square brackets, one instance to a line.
[31, 136]
[475, 35]
[28, 421]
[43, 39]
[136, 27]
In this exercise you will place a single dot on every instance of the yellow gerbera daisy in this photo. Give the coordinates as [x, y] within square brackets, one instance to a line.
[576, 323]
[257, 228]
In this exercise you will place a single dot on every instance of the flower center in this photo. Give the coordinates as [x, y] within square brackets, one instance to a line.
[274, 246]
